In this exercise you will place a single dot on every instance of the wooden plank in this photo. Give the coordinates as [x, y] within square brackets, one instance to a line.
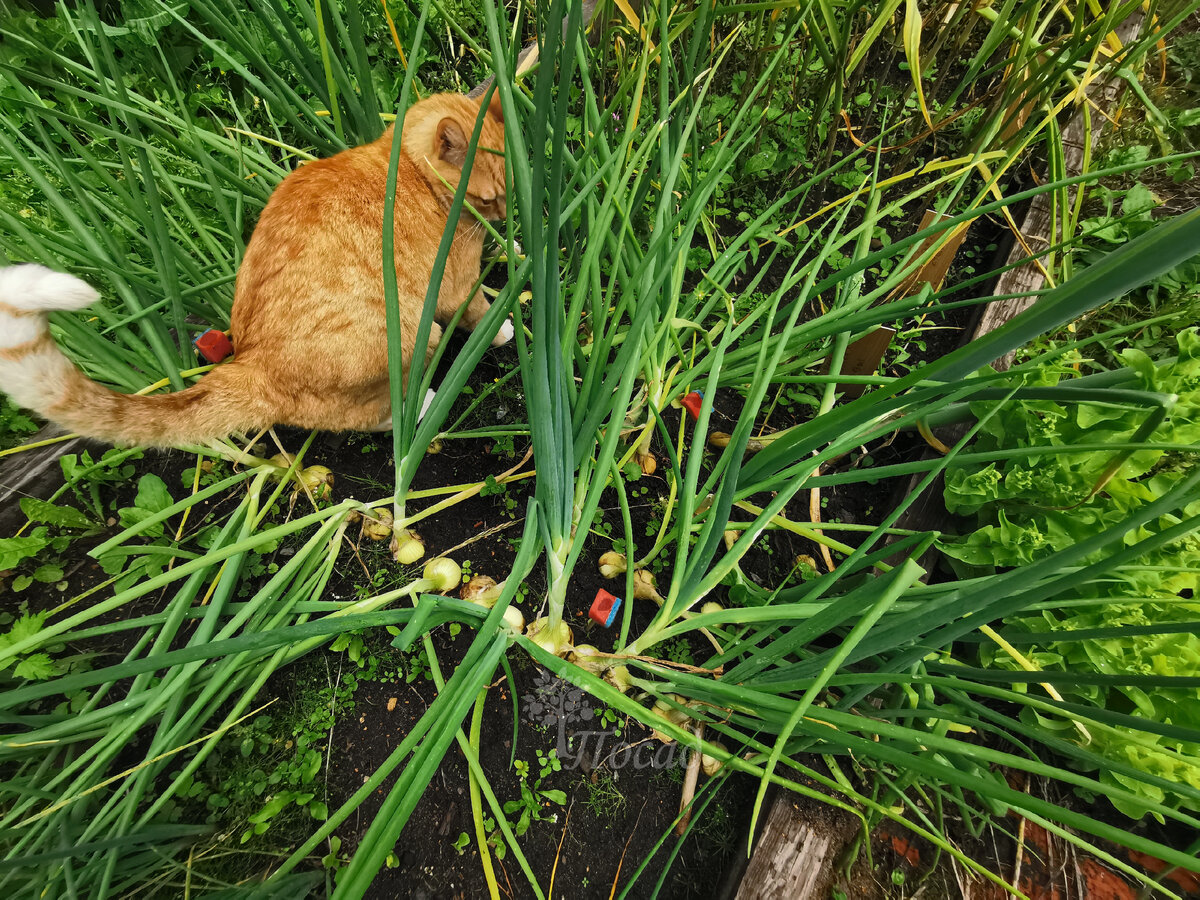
[31, 473]
[794, 857]
[864, 355]
[862, 358]
[933, 271]
[1035, 230]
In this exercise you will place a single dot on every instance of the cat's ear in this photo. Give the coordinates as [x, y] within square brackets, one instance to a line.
[496, 108]
[450, 142]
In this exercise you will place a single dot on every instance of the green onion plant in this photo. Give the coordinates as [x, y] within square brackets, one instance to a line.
[864, 680]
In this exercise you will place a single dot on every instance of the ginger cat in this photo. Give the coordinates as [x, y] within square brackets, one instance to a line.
[308, 323]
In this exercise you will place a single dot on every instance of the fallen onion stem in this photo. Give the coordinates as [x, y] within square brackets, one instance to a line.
[930, 438]
[1029, 666]
[469, 492]
[483, 535]
[670, 664]
[689, 784]
[805, 530]
[454, 488]
[814, 513]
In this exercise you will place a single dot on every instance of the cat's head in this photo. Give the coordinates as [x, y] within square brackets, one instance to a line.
[437, 133]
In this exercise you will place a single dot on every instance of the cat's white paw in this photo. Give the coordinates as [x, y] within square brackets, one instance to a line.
[505, 334]
[385, 425]
[429, 395]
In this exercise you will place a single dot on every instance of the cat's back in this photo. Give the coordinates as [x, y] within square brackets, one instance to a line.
[326, 217]
[326, 193]
[317, 247]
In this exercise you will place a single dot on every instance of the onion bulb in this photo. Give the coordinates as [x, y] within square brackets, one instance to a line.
[619, 677]
[588, 657]
[730, 537]
[282, 460]
[645, 587]
[407, 547]
[612, 564]
[377, 524]
[514, 619]
[481, 590]
[647, 462]
[435, 447]
[444, 573]
[559, 640]
[318, 481]
[712, 606]
[671, 714]
[711, 764]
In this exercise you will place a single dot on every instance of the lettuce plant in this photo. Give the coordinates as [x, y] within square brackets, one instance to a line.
[1139, 621]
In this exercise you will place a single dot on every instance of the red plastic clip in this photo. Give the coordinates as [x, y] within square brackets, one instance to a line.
[213, 345]
[692, 402]
[604, 608]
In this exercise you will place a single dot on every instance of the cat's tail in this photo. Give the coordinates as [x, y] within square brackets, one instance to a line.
[36, 375]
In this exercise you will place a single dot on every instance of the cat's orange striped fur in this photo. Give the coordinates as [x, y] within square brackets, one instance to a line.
[308, 323]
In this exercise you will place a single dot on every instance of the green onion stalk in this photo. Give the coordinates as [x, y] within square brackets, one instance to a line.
[231, 649]
[411, 438]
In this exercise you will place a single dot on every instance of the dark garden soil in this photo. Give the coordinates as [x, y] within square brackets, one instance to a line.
[612, 819]
[622, 788]
[620, 801]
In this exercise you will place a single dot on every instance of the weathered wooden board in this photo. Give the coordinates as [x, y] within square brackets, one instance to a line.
[863, 358]
[933, 270]
[1036, 228]
[793, 859]
[32, 473]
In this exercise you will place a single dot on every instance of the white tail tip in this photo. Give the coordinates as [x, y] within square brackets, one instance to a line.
[429, 395]
[504, 335]
[35, 287]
